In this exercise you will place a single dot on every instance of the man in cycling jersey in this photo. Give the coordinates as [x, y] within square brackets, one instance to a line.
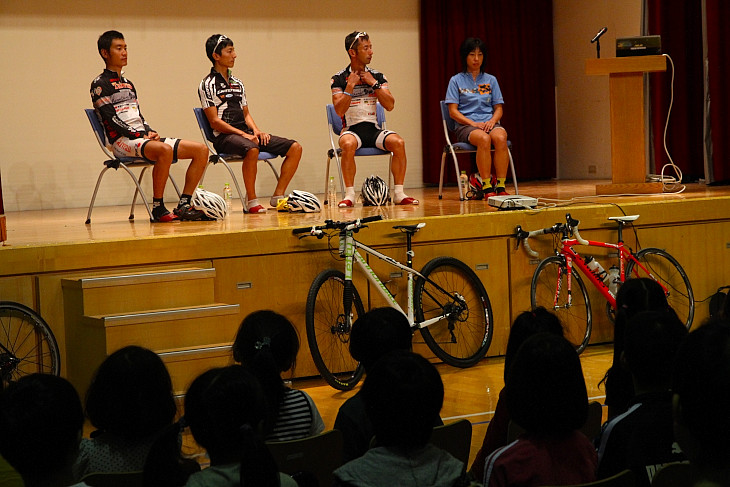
[355, 92]
[115, 101]
[224, 102]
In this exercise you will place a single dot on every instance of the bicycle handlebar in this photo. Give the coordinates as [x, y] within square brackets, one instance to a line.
[331, 225]
[569, 227]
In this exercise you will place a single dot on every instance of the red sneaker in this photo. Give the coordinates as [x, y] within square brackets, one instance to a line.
[166, 218]
[408, 201]
[256, 209]
[502, 192]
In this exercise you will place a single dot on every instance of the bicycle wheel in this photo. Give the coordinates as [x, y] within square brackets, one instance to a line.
[27, 344]
[665, 269]
[451, 288]
[550, 290]
[328, 332]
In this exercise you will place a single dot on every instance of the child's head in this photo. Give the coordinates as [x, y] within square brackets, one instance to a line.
[40, 425]
[651, 342]
[225, 409]
[639, 294]
[403, 394]
[131, 394]
[545, 390]
[378, 332]
[527, 324]
[267, 332]
[701, 387]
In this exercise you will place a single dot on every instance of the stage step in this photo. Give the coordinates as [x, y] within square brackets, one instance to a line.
[118, 293]
[185, 364]
[172, 312]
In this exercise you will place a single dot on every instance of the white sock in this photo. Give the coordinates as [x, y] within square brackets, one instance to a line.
[253, 203]
[350, 193]
[275, 199]
[398, 193]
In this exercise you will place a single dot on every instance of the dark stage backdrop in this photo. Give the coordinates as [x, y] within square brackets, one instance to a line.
[680, 24]
[519, 38]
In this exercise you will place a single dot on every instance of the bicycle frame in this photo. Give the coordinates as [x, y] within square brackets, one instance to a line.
[573, 258]
[348, 248]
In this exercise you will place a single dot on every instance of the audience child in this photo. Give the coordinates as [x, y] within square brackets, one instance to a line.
[374, 334]
[546, 395]
[403, 394]
[130, 402]
[225, 409]
[526, 324]
[642, 438]
[40, 425]
[701, 402]
[634, 296]
[267, 344]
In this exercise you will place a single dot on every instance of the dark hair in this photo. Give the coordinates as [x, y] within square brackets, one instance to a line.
[469, 44]
[526, 324]
[210, 44]
[105, 40]
[651, 342]
[225, 408]
[350, 39]
[378, 332]
[131, 394]
[403, 394]
[545, 389]
[40, 425]
[702, 383]
[634, 296]
[268, 344]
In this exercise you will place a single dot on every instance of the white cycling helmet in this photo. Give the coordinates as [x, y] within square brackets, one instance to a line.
[374, 191]
[303, 201]
[213, 205]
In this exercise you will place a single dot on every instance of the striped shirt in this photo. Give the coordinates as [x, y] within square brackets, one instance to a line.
[298, 418]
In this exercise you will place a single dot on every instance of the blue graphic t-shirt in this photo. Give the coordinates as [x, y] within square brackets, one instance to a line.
[476, 98]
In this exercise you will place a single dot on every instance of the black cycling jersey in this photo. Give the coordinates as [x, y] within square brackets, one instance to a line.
[229, 98]
[115, 100]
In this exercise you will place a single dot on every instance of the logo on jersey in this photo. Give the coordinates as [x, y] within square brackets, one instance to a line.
[485, 89]
[97, 90]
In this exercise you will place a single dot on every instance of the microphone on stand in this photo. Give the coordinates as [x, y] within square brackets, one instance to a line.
[600, 33]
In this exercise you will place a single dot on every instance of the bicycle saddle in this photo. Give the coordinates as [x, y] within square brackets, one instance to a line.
[624, 219]
[410, 228]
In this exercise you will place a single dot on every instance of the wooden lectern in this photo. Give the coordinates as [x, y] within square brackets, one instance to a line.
[628, 133]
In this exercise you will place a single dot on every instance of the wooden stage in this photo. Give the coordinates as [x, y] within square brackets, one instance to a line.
[181, 289]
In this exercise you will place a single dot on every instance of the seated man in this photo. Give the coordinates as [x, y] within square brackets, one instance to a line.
[224, 102]
[115, 101]
[355, 92]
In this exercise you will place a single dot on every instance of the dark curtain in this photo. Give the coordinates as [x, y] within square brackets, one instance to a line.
[680, 25]
[718, 54]
[519, 39]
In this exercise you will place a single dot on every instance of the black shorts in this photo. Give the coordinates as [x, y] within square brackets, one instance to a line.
[368, 135]
[239, 145]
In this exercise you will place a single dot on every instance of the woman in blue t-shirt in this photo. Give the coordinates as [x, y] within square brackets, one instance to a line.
[475, 103]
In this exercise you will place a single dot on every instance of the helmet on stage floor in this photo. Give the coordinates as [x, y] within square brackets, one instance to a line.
[374, 191]
[213, 205]
[303, 201]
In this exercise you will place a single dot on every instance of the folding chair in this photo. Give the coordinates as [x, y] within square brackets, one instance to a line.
[463, 148]
[335, 128]
[115, 163]
[316, 456]
[216, 157]
[455, 438]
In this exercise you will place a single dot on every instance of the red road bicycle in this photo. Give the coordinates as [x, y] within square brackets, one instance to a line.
[556, 285]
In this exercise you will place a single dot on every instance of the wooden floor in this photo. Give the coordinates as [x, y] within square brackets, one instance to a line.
[55, 226]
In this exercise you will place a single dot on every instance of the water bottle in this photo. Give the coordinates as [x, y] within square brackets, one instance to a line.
[227, 195]
[464, 182]
[613, 279]
[595, 267]
[332, 193]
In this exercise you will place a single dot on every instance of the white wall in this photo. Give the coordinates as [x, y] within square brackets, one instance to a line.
[287, 51]
[584, 132]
